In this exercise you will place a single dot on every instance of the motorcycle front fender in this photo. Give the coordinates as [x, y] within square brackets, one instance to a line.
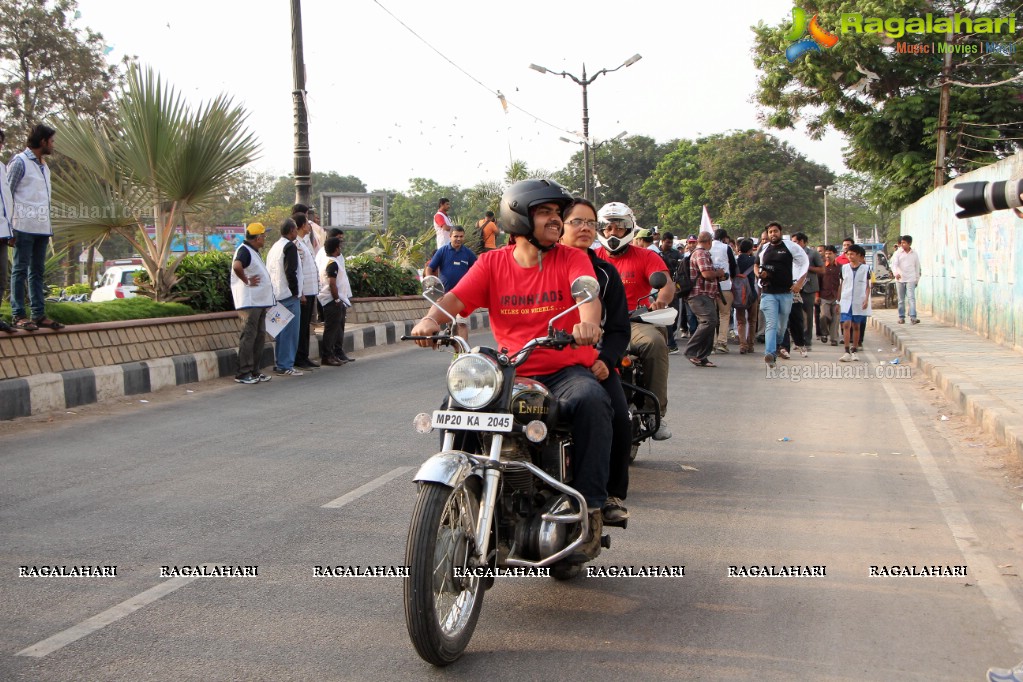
[447, 468]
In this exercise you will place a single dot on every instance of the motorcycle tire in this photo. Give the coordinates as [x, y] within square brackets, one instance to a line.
[566, 571]
[440, 610]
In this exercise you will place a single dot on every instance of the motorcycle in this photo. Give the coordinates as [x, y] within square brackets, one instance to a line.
[498, 496]
[644, 407]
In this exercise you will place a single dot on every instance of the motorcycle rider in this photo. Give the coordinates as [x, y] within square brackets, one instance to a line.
[523, 286]
[636, 265]
[580, 219]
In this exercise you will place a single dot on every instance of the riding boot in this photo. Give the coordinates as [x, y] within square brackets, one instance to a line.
[591, 548]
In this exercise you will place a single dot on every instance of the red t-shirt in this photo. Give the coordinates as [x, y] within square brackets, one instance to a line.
[522, 300]
[635, 267]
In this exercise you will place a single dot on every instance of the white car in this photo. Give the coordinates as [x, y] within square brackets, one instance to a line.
[118, 282]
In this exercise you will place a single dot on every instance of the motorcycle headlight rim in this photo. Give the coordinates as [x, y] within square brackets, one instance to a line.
[474, 380]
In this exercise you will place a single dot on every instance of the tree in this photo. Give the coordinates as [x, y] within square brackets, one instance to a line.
[622, 167]
[283, 191]
[155, 161]
[887, 103]
[49, 68]
[746, 179]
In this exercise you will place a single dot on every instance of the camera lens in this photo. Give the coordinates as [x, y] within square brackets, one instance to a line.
[980, 198]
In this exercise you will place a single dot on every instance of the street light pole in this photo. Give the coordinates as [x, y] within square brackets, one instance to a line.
[820, 188]
[584, 82]
[303, 165]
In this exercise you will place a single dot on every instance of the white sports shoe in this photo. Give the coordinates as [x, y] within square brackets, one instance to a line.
[846, 358]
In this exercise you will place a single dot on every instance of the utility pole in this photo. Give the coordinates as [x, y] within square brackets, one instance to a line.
[303, 164]
[943, 106]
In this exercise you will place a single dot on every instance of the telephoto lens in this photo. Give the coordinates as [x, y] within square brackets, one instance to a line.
[980, 198]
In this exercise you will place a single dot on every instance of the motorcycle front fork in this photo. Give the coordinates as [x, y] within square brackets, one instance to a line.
[491, 484]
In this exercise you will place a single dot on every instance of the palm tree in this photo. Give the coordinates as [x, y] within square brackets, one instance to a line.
[155, 161]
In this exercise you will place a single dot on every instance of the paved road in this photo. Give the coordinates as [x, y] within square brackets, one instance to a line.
[238, 475]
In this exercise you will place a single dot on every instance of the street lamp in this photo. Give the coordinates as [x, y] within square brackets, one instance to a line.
[584, 83]
[826, 190]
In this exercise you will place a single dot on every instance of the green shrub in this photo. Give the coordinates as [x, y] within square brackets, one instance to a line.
[138, 308]
[72, 290]
[375, 276]
[204, 281]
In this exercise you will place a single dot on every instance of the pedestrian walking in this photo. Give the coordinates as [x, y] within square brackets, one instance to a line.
[831, 284]
[906, 268]
[781, 269]
[703, 301]
[855, 301]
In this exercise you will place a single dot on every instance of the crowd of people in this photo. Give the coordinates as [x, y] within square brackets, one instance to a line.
[772, 290]
[304, 272]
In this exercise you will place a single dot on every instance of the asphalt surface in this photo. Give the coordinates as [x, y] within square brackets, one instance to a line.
[840, 473]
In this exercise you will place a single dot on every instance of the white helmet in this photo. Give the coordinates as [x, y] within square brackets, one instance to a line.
[616, 212]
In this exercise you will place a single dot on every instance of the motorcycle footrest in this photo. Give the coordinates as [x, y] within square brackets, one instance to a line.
[605, 541]
[623, 523]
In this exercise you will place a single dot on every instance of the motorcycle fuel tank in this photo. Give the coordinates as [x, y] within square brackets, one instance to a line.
[530, 400]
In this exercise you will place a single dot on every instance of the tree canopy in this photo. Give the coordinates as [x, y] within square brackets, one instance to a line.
[50, 68]
[745, 178]
[884, 96]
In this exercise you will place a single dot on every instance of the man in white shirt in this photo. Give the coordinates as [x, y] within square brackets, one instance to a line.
[906, 268]
[442, 222]
[724, 258]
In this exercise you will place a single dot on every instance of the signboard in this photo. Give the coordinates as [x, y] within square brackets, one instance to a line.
[224, 238]
[354, 210]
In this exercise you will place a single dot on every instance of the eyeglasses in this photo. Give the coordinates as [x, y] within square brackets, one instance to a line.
[579, 222]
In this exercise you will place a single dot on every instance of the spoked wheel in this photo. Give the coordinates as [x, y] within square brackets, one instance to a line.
[637, 426]
[441, 609]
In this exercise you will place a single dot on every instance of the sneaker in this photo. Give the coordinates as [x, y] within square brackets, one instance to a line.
[673, 350]
[614, 512]
[246, 379]
[721, 349]
[855, 358]
[1005, 674]
[262, 378]
[783, 354]
[770, 360]
[846, 357]
[915, 321]
[834, 343]
[802, 351]
[288, 372]
[902, 320]
[309, 365]
[663, 432]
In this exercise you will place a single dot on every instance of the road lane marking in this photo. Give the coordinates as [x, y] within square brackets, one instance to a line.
[1000, 598]
[367, 488]
[101, 620]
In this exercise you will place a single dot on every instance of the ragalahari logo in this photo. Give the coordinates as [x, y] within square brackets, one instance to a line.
[818, 38]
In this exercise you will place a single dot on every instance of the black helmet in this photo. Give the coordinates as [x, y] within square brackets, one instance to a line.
[524, 195]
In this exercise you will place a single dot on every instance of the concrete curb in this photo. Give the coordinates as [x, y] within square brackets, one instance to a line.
[41, 393]
[985, 408]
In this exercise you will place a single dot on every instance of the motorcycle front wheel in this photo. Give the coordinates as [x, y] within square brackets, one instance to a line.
[441, 609]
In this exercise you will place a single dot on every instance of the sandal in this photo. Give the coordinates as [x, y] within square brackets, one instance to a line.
[697, 362]
[48, 323]
[26, 324]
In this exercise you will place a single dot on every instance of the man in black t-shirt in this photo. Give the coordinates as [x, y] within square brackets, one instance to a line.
[781, 269]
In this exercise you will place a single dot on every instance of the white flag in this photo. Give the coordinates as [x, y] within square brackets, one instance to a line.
[705, 224]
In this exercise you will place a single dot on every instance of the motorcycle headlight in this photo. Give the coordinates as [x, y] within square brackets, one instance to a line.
[474, 380]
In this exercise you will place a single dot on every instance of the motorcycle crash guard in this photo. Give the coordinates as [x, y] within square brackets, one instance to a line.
[448, 468]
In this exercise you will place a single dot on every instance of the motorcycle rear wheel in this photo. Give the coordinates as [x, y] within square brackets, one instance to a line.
[441, 610]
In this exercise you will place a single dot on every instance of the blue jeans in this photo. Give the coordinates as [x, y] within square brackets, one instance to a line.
[907, 293]
[776, 309]
[584, 403]
[30, 264]
[287, 341]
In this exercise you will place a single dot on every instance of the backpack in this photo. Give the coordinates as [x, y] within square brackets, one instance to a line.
[743, 294]
[481, 242]
[683, 279]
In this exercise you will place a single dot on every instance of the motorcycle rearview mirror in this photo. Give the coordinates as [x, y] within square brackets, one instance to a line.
[433, 289]
[585, 289]
[658, 280]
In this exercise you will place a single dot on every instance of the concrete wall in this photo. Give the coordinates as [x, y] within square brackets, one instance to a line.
[972, 269]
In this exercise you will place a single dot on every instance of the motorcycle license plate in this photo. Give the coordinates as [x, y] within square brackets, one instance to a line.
[471, 421]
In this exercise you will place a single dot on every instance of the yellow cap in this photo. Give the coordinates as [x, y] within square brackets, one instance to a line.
[255, 228]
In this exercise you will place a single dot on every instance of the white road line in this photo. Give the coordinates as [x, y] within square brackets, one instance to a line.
[1000, 598]
[367, 488]
[101, 620]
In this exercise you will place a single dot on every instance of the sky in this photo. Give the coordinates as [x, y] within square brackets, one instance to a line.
[385, 106]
